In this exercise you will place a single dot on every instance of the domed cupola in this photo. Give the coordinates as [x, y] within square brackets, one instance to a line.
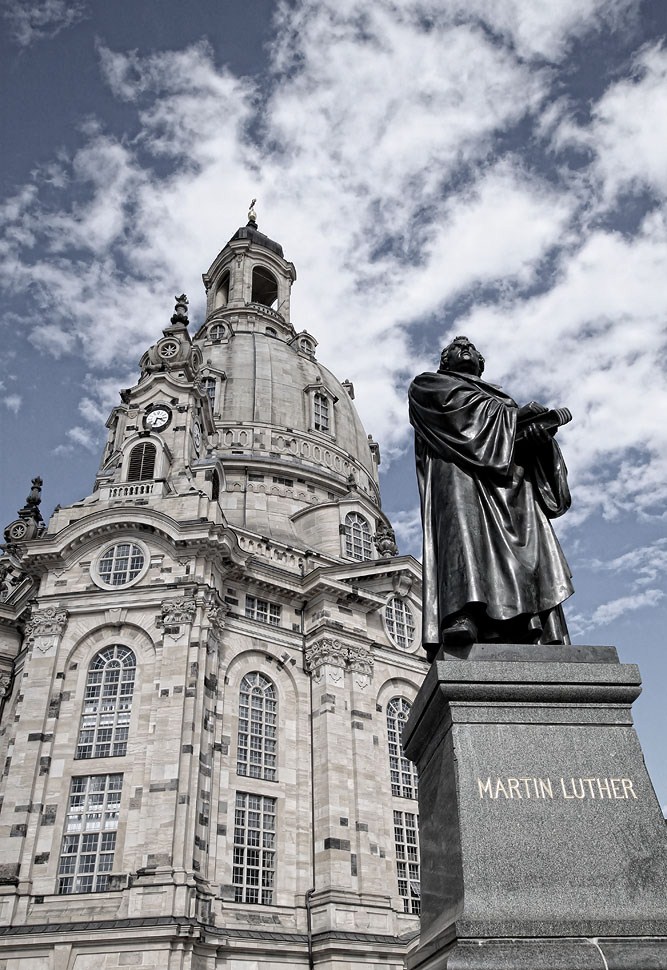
[292, 444]
[249, 282]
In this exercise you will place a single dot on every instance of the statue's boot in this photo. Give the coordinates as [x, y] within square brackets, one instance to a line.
[461, 631]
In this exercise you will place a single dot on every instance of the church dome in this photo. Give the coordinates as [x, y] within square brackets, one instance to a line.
[286, 425]
[294, 407]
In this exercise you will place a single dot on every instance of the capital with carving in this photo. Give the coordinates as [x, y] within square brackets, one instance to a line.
[360, 660]
[175, 612]
[5, 681]
[48, 622]
[327, 650]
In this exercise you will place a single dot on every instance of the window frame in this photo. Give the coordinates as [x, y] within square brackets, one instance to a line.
[254, 853]
[208, 384]
[406, 852]
[257, 728]
[391, 625]
[100, 581]
[402, 773]
[101, 712]
[272, 614]
[91, 814]
[322, 412]
[144, 465]
[366, 537]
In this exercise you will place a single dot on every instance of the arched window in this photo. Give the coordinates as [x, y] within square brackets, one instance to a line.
[403, 773]
[105, 720]
[222, 292]
[264, 287]
[258, 720]
[215, 486]
[208, 385]
[320, 412]
[357, 537]
[142, 462]
[217, 331]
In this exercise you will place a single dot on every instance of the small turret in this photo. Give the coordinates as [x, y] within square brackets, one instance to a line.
[29, 523]
[174, 351]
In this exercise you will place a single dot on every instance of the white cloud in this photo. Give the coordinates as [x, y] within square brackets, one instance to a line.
[84, 438]
[33, 20]
[608, 612]
[628, 130]
[380, 169]
[644, 564]
[547, 29]
[13, 402]
[407, 525]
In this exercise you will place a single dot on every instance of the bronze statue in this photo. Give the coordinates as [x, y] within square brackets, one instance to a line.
[490, 478]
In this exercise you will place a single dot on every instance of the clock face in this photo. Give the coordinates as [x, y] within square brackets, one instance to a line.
[157, 418]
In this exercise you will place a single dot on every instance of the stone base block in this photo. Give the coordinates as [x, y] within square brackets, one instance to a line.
[543, 954]
[541, 835]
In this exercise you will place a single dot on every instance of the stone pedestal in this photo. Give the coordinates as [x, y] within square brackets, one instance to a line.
[543, 845]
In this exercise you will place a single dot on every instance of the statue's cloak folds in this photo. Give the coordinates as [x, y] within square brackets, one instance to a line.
[486, 502]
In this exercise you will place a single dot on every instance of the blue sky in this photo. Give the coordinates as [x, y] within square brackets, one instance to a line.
[489, 167]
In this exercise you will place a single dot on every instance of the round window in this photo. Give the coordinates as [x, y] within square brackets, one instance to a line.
[216, 332]
[399, 623]
[122, 564]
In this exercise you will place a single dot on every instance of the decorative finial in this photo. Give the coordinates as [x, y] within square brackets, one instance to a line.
[252, 215]
[35, 497]
[180, 314]
[29, 523]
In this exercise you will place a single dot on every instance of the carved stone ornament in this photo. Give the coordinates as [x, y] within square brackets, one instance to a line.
[385, 541]
[216, 617]
[329, 651]
[175, 612]
[325, 651]
[5, 681]
[360, 660]
[47, 622]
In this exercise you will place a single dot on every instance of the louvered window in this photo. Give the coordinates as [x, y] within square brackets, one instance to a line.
[142, 462]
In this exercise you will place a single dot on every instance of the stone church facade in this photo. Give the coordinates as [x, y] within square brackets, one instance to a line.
[205, 667]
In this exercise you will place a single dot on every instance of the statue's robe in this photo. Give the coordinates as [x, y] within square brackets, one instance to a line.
[486, 503]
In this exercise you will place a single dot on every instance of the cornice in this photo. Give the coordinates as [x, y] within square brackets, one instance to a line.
[104, 524]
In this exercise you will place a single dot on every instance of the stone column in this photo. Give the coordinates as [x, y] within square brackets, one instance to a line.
[542, 840]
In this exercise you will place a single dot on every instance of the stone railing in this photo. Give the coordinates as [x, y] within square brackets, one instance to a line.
[266, 311]
[131, 490]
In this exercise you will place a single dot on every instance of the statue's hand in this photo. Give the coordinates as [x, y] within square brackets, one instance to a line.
[527, 411]
[537, 435]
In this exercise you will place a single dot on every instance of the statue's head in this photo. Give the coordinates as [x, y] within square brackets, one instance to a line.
[462, 355]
